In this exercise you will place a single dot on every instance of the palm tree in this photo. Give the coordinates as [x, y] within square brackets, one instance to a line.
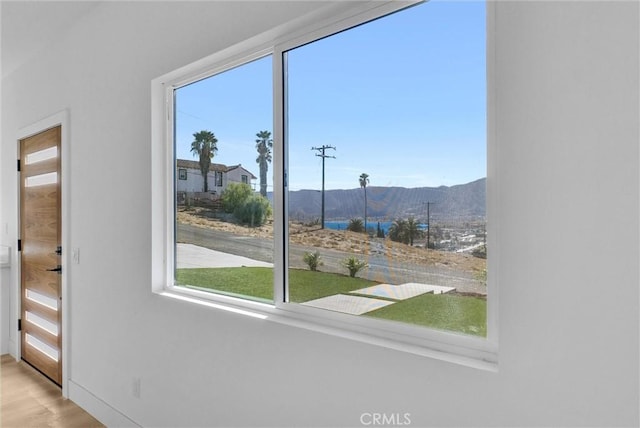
[204, 146]
[364, 180]
[355, 225]
[398, 231]
[264, 144]
[413, 230]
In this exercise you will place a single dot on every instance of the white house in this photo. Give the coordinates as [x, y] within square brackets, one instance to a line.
[189, 178]
[564, 179]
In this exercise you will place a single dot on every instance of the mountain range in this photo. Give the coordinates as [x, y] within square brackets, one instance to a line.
[459, 202]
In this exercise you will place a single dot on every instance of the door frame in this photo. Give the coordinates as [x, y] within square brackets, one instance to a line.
[58, 119]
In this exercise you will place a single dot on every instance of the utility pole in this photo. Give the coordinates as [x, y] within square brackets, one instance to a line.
[321, 153]
[428, 222]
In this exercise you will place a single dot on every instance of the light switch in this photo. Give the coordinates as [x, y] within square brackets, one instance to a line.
[76, 255]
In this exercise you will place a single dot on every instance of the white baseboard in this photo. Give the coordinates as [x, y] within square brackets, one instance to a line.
[98, 408]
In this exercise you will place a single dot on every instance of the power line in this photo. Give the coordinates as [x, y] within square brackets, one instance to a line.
[321, 153]
[428, 221]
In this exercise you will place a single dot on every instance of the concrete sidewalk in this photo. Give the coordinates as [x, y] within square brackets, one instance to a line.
[192, 256]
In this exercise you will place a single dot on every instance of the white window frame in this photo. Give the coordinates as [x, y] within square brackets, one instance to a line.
[458, 348]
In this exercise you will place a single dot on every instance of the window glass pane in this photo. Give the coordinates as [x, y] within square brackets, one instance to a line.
[386, 131]
[223, 222]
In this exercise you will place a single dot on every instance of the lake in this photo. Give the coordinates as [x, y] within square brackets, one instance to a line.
[384, 225]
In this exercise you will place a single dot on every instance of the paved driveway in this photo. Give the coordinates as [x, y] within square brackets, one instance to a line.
[193, 256]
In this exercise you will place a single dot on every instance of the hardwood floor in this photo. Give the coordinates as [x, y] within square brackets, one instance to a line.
[28, 399]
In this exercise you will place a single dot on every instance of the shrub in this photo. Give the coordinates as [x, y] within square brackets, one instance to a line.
[314, 222]
[480, 252]
[235, 195]
[354, 265]
[482, 276]
[355, 225]
[312, 260]
[253, 211]
[247, 207]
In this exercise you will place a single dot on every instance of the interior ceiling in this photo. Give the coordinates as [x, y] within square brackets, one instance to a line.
[27, 27]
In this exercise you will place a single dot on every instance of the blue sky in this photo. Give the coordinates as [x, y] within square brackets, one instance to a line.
[402, 99]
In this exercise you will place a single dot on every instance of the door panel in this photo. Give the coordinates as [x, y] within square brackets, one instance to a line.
[40, 224]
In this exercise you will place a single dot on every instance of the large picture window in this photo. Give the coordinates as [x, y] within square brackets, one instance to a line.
[223, 229]
[339, 176]
[386, 136]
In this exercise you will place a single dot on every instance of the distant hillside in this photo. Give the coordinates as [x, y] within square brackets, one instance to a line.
[465, 201]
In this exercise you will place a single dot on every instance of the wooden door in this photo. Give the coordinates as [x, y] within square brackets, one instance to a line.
[40, 234]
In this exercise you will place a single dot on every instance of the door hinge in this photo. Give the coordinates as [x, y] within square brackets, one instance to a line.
[19, 325]
[18, 164]
[19, 244]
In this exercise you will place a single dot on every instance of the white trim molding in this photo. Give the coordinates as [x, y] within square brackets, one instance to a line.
[457, 348]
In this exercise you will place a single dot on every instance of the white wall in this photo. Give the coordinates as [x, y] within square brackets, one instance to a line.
[4, 273]
[568, 185]
[5, 283]
[235, 176]
[195, 182]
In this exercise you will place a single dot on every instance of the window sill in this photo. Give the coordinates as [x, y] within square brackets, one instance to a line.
[454, 348]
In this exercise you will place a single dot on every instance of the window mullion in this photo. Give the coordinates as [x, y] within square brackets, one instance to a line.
[170, 212]
[281, 250]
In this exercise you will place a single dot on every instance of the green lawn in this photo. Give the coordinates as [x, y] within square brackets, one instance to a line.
[446, 312]
[255, 282]
[440, 311]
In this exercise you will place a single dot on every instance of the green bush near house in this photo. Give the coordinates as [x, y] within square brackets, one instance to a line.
[254, 211]
[246, 206]
[234, 196]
